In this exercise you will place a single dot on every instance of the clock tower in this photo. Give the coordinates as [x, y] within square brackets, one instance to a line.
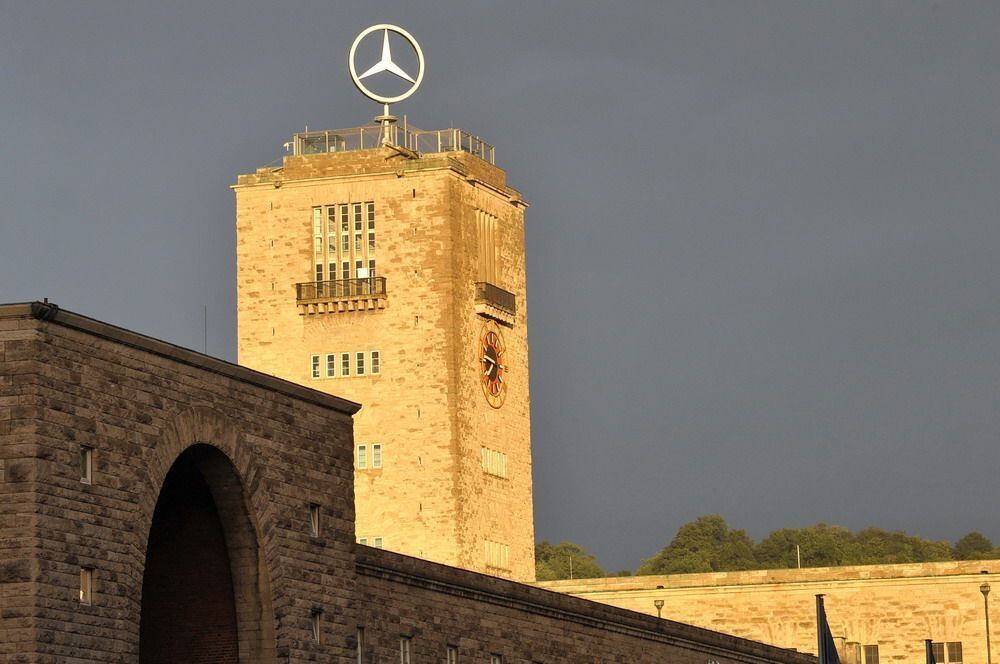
[385, 264]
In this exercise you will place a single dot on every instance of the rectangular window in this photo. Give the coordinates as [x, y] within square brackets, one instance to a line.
[357, 218]
[361, 645]
[319, 272]
[955, 652]
[317, 625]
[496, 659]
[377, 455]
[331, 271]
[315, 366]
[377, 542]
[871, 654]
[371, 267]
[86, 585]
[86, 464]
[452, 655]
[345, 222]
[345, 270]
[345, 364]
[362, 457]
[494, 463]
[363, 540]
[404, 650]
[359, 266]
[331, 365]
[371, 225]
[497, 555]
[361, 363]
[314, 519]
[937, 649]
[376, 362]
[318, 231]
[345, 245]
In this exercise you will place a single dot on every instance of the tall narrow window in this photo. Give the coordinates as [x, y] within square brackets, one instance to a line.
[371, 267]
[871, 655]
[86, 464]
[376, 362]
[317, 625]
[345, 364]
[404, 650]
[487, 231]
[359, 267]
[331, 235]
[361, 363]
[345, 270]
[315, 366]
[86, 585]
[496, 659]
[377, 456]
[361, 645]
[362, 457]
[319, 272]
[314, 519]
[452, 655]
[331, 365]
[317, 218]
[370, 209]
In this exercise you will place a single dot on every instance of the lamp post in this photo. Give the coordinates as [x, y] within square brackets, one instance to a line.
[985, 590]
[658, 603]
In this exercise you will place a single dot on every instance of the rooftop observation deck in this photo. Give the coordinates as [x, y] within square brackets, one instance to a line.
[414, 140]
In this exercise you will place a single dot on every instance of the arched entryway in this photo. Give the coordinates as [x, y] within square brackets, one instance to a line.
[205, 591]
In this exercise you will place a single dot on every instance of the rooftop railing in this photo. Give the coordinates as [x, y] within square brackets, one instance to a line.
[371, 137]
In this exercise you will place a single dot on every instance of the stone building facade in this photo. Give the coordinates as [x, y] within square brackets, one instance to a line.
[877, 613]
[376, 273]
[158, 505]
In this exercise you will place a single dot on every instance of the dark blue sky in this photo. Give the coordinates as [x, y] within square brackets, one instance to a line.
[762, 250]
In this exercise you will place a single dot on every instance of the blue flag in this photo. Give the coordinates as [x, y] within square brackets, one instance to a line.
[827, 648]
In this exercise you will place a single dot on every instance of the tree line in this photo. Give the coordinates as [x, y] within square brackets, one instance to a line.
[708, 544]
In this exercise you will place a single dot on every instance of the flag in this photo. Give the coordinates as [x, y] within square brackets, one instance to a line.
[827, 648]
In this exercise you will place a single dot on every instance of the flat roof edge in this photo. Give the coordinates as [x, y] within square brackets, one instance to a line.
[52, 313]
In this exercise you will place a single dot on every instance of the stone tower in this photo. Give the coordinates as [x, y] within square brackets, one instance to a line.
[391, 272]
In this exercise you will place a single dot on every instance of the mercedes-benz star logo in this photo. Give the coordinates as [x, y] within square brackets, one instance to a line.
[386, 64]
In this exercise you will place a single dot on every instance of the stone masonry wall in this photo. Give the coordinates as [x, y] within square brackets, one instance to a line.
[70, 381]
[894, 607]
[436, 607]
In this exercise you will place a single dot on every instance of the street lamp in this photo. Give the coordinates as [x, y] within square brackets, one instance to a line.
[985, 590]
[658, 603]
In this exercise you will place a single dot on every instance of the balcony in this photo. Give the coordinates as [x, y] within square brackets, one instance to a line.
[496, 303]
[330, 297]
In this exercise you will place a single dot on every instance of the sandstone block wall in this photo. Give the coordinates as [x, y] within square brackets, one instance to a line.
[894, 607]
[426, 409]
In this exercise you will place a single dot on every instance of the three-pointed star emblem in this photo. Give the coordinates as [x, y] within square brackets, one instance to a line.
[386, 63]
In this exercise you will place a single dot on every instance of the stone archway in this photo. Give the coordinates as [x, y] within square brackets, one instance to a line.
[205, 591]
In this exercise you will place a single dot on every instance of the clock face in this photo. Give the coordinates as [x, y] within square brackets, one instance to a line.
[492, 366]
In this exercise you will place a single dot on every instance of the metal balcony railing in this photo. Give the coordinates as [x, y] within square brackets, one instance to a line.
[411, 138]
[495, 296]
[340, 289]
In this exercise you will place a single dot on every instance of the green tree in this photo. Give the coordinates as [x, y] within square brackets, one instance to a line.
[876, 546]
[555, 561]
[706, 544]
[974, 546]
[819, 546]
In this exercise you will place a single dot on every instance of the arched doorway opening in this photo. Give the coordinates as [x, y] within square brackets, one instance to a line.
[205, 591]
